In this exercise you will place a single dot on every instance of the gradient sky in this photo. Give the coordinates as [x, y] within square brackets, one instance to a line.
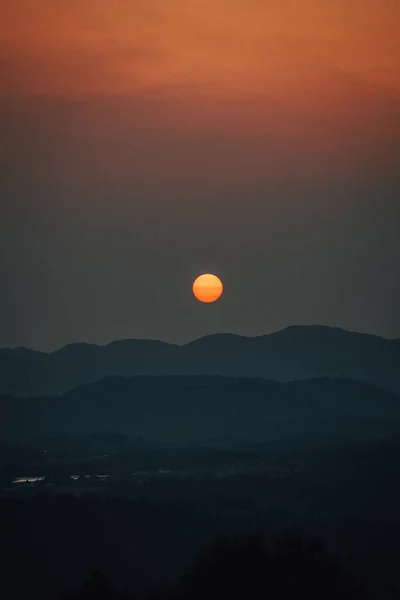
[148, 141]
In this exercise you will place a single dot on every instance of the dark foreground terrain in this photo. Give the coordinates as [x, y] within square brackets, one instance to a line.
[130, 478]
[138, 511]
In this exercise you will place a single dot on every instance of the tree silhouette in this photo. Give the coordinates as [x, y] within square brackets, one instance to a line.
[243, 567]
[288, 568]
[97, 587]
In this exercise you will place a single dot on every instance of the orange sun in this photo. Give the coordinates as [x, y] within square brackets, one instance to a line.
[207, 288]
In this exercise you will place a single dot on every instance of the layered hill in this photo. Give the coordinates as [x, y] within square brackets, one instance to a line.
[200, 408]
[290, 354]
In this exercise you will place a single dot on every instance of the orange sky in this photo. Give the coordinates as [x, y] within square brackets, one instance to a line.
[229, 47]
[148, 140]
[309, 73]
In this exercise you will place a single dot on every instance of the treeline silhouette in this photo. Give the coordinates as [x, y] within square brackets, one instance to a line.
[247, 566]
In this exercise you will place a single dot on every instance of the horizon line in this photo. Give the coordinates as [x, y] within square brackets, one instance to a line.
[218, 334]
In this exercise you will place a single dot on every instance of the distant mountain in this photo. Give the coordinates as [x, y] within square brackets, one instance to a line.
[181, 409]
[294, 353]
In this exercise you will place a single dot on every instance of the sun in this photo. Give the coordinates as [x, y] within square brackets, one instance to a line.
[207, 288]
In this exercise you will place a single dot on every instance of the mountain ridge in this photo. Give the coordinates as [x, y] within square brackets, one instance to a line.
[179, 409]
[27, 349]
[296, 352]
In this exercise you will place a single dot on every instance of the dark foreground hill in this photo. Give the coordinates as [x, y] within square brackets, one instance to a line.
[179, 409]
[287, 355]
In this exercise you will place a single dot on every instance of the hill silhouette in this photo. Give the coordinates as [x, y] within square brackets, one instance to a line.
[298, 352]
[181, 408]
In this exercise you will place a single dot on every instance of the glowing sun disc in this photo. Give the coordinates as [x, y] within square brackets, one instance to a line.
[207, 288]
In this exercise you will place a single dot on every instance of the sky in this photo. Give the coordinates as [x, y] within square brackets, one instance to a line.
[145, 142]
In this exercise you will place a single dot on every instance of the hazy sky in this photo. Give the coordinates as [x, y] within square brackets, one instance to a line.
[147, 141]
